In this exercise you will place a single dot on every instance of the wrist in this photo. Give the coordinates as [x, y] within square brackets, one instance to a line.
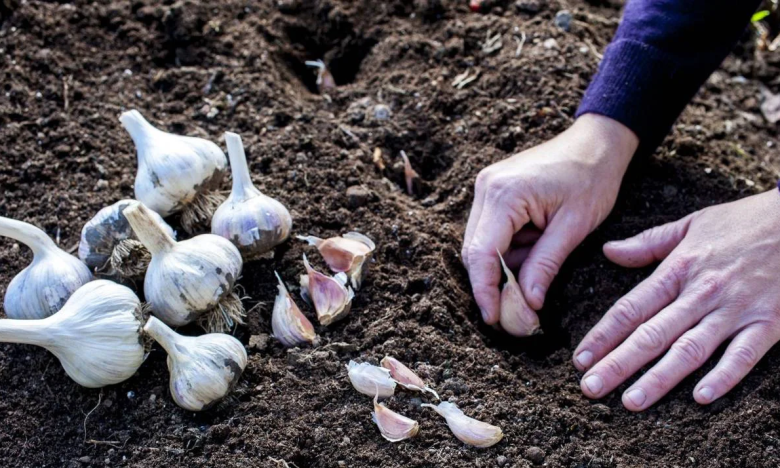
[608, 140]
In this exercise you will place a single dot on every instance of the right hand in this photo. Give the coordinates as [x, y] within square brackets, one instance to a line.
[537, 206]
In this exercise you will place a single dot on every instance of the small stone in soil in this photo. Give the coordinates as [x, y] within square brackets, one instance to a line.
[357, 196]
[501, 460]
[563, 20]
[382, 112]
[535, 455]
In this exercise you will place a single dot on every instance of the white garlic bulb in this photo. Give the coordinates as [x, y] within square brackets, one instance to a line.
[393, 426]
[405, 376]
[254, 222]
[42, 288]
[349, 253]
[371, 380]
[288, 323]
[110, 247]
[203, 369]
[331, 297]
[176, 173]
[188, 280]
[516, 317]
[96, 335]
[466, 429]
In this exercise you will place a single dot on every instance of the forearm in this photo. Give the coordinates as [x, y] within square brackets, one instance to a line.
[661, 54]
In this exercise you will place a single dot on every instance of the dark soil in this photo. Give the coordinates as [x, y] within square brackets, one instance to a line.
[204, 67]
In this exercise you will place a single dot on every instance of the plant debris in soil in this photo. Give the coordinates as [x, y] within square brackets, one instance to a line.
[428, 77]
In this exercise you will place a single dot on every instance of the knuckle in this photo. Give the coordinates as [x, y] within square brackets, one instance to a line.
[650, 337]
[548, 265]
[690, 351]
[627, 314]
[667, 286]
[726, 376]
[482, 179]
[745, 355]
[680, 267]
[660, 380]
[616, 368]
[711, 287]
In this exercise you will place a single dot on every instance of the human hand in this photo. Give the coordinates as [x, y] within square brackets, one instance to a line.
[719, 279]
[537, 206]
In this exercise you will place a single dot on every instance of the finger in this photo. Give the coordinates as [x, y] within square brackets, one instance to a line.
[476, 211]
[546, 258]
[646, 343]
[686, 355]
[515, 257]
[527, 236]
[742, 354]
[494, 232]
[630, 311]
[650, 246]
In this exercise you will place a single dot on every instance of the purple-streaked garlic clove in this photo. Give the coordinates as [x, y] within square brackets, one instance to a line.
[467, 430]
[325, 81]
[393, 426]
[289, 324]
[517, 318]
[330, 296]
[371, 380]
[410, 175]
[348, 253]
[405, 376]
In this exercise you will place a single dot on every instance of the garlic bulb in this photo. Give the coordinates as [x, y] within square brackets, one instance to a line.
[348, 253]
[109, 246]
[96, 335]
[42, 288]
[188, 280]
[176, 173]
[466, 429]
[255, 223]
[393, 426]
[289, 324]
[330, 296]
[405, 376]
[371, 380]
[516, 317]
[203, 369]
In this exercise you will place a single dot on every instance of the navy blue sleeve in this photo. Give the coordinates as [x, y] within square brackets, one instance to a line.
[661, 54]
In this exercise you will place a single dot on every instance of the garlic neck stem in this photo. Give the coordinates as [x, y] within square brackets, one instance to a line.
[23, 331]
[242, 181]
[137, 126]
[162, 334]
[149, 232]
[27, 234]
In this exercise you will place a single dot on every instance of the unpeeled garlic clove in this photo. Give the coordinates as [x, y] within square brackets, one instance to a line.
[254, 222]
[203, 369]
[331, 298]
[517, 318]
[409, 174]
[325, 81]
[371, 380]
[405, 376]
[43, 287]
[349, 253]
[109, 246]
[393, 426]
[176, 173]
[467, 430]
[289, 324]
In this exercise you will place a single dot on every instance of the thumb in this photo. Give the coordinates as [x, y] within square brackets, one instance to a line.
[546, 258]
[649, 246]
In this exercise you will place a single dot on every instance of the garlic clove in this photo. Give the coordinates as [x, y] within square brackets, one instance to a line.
[409, 174]
[467, 430]
[44, 286]
[96, 335]
[371, 380]
[348, 253]
[517, 318]
[289, 324]
[405, 376]
[393, 426]
[176, 173]
[190, 280]
[330, 297]
[203, 369]
[254, 222]
[325, 81]
[109, 246]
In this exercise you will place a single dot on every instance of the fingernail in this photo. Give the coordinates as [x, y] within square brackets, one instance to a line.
[538, 292]
[584, 359]
[707, 394]
[637, 396]
[484, 314]
[594, 383]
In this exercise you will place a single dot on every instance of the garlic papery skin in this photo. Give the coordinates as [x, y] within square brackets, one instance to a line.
[467, 430]
[349, 253]
[517, 318]
[254, 222]
[405, 376]
[44, 286]
[96, 335]
[393, 426]
[110, 247]
[176, 173]
[331, 298]
[371, 380]
[289, 324]
[188, 280]
[203, 369]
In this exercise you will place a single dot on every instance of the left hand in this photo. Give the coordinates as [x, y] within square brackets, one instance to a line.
[719, 279]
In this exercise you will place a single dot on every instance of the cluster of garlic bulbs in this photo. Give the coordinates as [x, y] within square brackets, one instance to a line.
[380, 382]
